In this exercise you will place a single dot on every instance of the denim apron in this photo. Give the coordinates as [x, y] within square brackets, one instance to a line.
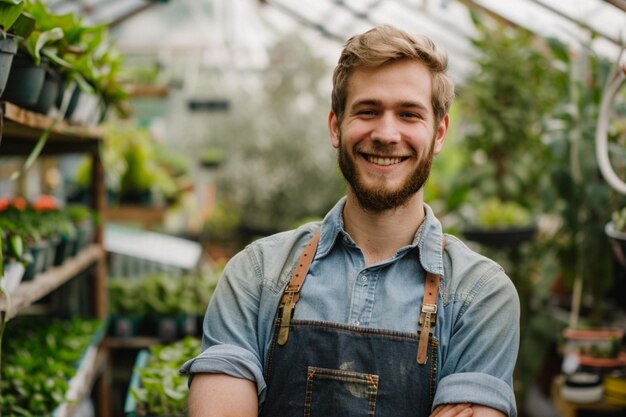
[323, 369]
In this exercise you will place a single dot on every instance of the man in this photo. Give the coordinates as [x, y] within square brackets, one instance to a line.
[372, 311]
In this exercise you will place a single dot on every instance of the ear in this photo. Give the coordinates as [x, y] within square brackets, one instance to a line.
[440, 136]
[333, 127]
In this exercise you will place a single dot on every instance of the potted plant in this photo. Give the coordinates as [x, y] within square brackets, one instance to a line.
[211, 158]
[501, 224]
[137, 171]
[127, 307]
[15, 222]
[595, 347]
[10, 10]
[156, 387]
[85, 221]
[13, 254]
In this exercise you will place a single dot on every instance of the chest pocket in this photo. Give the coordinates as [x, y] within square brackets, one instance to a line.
[342, 393]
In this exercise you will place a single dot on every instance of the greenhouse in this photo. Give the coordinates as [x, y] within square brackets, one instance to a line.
[330, 207]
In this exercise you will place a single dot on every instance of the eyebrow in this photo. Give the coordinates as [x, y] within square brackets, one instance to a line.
[378, 103]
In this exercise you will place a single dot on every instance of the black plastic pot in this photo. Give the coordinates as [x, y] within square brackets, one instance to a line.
[8, 48]
[509, 237]
[73, 102]
[49, 92]
[25, 81]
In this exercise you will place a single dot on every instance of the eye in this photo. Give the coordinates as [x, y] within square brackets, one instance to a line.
[367, 113]
[411, 115]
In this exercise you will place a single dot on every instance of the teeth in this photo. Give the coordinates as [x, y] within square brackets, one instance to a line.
[383, 161]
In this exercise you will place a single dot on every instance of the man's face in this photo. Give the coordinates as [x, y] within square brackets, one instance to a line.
[388, 137]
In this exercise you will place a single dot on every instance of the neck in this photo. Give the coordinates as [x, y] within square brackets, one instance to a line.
[380, 235]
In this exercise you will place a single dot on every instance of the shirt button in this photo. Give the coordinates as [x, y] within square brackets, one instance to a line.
[363, 278]
[357, 323]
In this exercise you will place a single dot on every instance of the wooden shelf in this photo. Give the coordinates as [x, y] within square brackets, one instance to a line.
[147, 91]
[135, 342]
[20, 131]
[147, 216]
[22, 128]
[30, 291]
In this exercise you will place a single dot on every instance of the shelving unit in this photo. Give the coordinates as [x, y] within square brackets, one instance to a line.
[20, 131]
[44, 283]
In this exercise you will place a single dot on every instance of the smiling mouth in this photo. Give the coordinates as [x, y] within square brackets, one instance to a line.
[383, 161]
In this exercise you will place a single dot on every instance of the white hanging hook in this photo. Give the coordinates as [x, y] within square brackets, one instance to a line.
[617, 78]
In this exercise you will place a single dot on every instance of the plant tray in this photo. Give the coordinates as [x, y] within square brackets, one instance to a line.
[85, 374]
[130, 406]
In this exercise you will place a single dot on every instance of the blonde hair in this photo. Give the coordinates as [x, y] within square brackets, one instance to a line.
[386, 44]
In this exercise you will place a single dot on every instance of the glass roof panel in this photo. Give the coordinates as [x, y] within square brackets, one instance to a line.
[101, 11]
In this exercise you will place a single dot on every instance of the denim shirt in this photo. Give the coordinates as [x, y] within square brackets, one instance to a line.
[477, 320]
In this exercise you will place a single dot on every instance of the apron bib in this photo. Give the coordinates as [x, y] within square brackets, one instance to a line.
[325, 369]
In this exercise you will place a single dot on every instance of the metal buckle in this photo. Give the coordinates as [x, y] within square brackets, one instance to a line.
[429, 308]
[428, 317]
[292, 289]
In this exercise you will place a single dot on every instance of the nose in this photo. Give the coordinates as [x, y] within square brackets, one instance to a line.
[386, 129]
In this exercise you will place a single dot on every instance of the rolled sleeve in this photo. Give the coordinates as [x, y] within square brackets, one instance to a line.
[230, 360]
[482, 349]
[230, 335]
[477, 388]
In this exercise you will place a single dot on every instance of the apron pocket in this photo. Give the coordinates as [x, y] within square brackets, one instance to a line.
[341, 393]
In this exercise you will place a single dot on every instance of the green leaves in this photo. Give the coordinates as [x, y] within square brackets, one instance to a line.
[164, 294]
[38, 40]
[163, 390]
[39, 362]
[10, 10]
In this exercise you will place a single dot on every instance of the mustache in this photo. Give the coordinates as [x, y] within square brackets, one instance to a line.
[384, 150]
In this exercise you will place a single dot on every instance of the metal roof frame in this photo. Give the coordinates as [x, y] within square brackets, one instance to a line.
[573, 21]
[112, 12]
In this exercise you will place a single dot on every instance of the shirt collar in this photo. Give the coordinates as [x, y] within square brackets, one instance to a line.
[428, 238]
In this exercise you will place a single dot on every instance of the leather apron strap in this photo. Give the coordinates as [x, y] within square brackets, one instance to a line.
[292, 291]
[428, 315]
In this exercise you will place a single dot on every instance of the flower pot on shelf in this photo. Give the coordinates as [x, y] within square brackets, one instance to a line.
[172, 327]
[87, 110]
[49, 92]
[53, 242]
[501, 237]
[13, 273]
[596, 347]
[64, 249]
[8, 49]
[67, 97]
[25, 81]
[39, 253]
[126, 325]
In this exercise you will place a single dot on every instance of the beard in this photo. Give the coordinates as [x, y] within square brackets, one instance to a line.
[380, 199]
